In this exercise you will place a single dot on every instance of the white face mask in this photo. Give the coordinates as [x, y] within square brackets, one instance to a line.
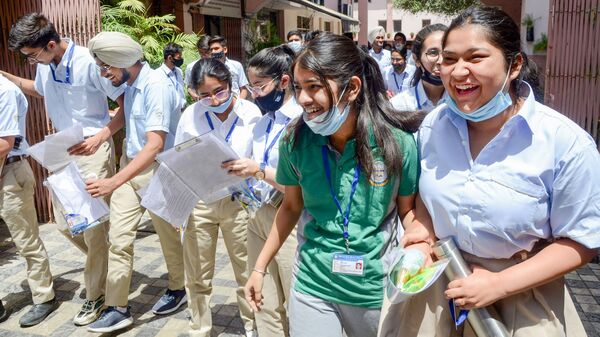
[296, 46]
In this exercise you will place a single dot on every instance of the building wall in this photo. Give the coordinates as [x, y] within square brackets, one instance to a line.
[411, 23]
[290, 20]
[540, 10]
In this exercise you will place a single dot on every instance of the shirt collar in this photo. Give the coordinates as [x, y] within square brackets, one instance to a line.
[166, 69]
[64, 61]
[141, 78]
[527, 110]
[291, 109]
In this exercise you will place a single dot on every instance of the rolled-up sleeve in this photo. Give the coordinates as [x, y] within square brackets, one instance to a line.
[160, 102]
[575, 208]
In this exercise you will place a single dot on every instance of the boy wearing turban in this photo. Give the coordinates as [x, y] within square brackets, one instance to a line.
[376, 39]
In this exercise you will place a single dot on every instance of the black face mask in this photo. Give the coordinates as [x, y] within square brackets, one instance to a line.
[272, 101]
[178, 63]
[430, 78]
[218, 56]
[399, 67]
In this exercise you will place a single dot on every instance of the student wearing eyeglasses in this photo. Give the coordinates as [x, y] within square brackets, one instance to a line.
[221, 111]
[426, 91]
[74, 92]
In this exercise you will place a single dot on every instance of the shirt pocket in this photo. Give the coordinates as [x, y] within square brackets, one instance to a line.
[514, 205]
[76, 98]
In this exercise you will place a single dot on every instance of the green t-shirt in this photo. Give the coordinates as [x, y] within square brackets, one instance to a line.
[370, 228]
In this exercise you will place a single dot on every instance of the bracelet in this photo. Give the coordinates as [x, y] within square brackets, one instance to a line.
[262, 272]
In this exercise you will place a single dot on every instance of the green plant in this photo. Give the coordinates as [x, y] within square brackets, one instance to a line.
[259, 39]
[435, 6]
[528, 20]
[152, 32]
[542, 44]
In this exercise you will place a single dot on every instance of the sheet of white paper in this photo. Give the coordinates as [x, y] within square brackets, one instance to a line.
[68, 186]
[168, 197]
[197, 163]
[52, 152]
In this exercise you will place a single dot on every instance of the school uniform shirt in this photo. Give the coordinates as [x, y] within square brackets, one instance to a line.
[537, 179]
[188, 73]
[13, 110]
[240, 122]
[238, 76]
[397, 83]
[74, 91]
[175, 76]
[150, 105]
[413, 99]
[372, 214]
[266, 136]
[384, 58]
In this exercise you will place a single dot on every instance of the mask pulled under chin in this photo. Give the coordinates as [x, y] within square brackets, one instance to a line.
[431, 78]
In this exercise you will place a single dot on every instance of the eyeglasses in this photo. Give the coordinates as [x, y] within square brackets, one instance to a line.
[221, 96]
[433, 55]
[34, 58]
[259, 90]
[103, 68]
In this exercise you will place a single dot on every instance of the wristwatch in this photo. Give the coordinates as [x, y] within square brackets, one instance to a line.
[260, 174]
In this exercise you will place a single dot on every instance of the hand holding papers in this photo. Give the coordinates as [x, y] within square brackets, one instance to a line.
[80, 210]
[188, 173]
[52, 152]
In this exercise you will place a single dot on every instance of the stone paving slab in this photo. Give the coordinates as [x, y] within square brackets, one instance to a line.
[149, 282]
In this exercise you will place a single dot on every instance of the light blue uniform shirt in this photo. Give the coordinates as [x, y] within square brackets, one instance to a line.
[74, 91]
[537, 179]
[396, 83]
[414, 98]
[176, 78]
[13, 110]
[150, 105]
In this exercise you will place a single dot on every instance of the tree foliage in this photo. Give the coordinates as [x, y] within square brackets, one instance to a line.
[152, 32]
[447, 7]
[258, 41]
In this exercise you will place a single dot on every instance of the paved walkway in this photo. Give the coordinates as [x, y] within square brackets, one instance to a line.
[149, 281]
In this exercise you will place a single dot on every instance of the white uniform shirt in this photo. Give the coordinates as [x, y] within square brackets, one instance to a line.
[188, 73]
[13, 110]
[384, 58]
[238, 76]
[150, 105]
[74, 91]
[536, 179]
[175, 76]
[396, 83]
[244, 114]
[275, 123]
[413, 99]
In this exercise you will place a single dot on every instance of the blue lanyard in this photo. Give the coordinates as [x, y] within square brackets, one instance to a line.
[417, 97]
[346, 214]
[212, 127]
[68, 71]
[401, 81]
[268, 148]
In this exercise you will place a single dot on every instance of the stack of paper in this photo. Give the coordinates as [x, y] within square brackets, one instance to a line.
[52, 152]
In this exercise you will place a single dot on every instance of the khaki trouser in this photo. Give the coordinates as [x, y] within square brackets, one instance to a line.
[125, 215]
[547, 310]
[200, 244]
[17, 208]
[94, 241]
[272, 320]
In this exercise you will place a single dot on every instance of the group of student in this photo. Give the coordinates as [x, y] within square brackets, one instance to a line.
[344, 175]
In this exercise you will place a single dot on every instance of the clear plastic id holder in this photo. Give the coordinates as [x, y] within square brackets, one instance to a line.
[348, 264]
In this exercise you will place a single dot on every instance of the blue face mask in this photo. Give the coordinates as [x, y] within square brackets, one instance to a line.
[219, 109]
[495, 106]
[329, 122]
[296, 46]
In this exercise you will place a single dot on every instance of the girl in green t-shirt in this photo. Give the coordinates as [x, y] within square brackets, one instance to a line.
[351, 165]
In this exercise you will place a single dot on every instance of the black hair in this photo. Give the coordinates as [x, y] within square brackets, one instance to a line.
[171, 49]
[272, 62]
[202, 42]
[401, 35]
[312, 35]
[503, 33]
[294, 32]
[417, 47]
[218, 39]
[337, 58]
[32, 30]
[402, 51]
[211, 68]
